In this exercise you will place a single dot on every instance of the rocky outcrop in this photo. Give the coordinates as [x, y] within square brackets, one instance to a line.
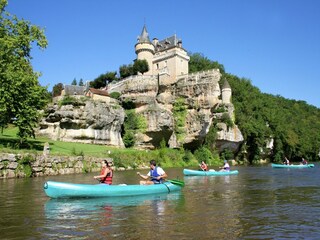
[180, 113]
[89, 121]
[200, 95]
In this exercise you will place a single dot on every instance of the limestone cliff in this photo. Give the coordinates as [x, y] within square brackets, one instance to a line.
[181, 113]
[199, 97]
[87, 121]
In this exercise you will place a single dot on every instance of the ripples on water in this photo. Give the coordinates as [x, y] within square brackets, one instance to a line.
[258, 203]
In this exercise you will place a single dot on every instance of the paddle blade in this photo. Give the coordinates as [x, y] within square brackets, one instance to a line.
[177, 182]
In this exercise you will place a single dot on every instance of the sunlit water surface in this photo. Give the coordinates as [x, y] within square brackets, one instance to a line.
[258, 203]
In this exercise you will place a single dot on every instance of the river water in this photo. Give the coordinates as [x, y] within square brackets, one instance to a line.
[258, 203]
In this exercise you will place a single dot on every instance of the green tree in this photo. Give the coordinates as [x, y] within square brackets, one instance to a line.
[81, 82]
[74, 82]
[198, 62]
[21, 95]
[57, 89]
[126, 71]
[141, 66]
[103, 80]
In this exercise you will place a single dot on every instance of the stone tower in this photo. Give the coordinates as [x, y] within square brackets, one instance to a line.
[145, 49]
[166, 57]
[226, 92]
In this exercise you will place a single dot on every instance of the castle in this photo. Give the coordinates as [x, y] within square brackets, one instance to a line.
[169, 63]
[164, 57]
[176, 106]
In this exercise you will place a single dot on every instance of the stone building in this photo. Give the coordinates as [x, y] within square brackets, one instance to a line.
[165, 57]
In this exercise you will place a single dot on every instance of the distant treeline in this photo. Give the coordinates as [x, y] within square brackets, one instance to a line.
[293, 126]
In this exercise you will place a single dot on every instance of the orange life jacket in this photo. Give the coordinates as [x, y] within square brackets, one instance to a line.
[107, 179]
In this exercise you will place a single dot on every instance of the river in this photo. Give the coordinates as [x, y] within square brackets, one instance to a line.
[258, 203]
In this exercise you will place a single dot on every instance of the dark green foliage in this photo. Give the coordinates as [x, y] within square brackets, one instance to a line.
[24, 165]
[204, 154]
[114, 95]
[179, 114]
[226, 154]
[126, 71]
[27, 159]
[163, 143]
[188, 156]
[81, 82]
[227, 120]
[69, 100]
[133, 123]
[211, 137]
[294, 125]
[198, 62]
[74, 82]
[140, 66]
[103, 80]
[57, 89]
[128, 139]
[220, 109]
[128, 104]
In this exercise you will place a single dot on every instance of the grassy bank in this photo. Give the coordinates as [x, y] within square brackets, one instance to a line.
[166, 157]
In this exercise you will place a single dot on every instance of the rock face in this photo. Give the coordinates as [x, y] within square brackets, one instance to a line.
[93, 122]
[180, 113]
[26, 165]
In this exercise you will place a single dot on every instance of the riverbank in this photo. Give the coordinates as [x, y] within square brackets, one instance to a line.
[34, 165]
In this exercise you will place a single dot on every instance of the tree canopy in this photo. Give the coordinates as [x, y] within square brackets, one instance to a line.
[292, 125]
[103, 80]
[21, 95]
[140, 66]
[57, 89]
[198, 62]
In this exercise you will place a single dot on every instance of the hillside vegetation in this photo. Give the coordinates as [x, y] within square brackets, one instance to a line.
[293, 126]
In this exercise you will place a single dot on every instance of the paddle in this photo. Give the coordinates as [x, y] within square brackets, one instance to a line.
[176, 182]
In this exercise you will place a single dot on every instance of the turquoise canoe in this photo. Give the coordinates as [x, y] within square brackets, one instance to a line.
[190, 172]
[71, 190]
[274, 165]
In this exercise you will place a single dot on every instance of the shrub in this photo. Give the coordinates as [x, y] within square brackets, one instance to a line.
[115, 95]
[227, 120]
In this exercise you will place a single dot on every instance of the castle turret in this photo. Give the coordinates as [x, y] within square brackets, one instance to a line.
[226, 92]
[145, 49]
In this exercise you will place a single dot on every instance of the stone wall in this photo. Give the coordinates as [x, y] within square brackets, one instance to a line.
[32, 165]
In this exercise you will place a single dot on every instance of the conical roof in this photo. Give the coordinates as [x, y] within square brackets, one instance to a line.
[144, 37]
[226, 84]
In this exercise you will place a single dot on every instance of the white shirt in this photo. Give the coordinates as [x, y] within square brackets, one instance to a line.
[160, 171]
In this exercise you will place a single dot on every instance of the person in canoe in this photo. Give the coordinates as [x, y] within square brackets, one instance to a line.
[203, 166]
[106, 173]
[225, 167]
[286, 161]
[304, 162]
[156, 175]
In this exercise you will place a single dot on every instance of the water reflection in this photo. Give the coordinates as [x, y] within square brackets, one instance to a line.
[62, 208]
[107, 213]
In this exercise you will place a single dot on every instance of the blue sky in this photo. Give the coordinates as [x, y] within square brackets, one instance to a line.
[274, 43]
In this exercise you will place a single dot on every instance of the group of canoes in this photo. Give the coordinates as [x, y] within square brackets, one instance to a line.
[154, 182]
